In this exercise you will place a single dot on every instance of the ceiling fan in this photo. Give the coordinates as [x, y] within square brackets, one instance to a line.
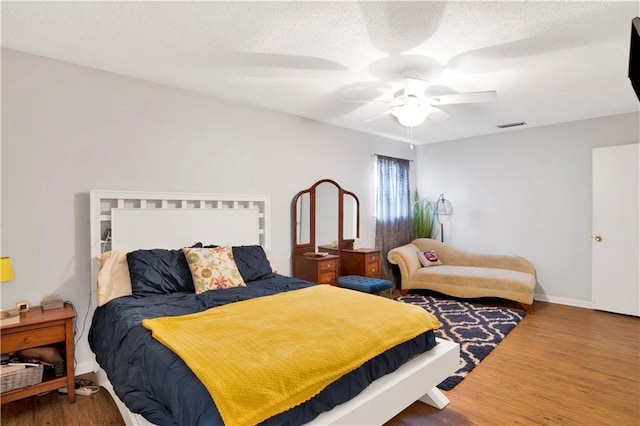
[411, 105]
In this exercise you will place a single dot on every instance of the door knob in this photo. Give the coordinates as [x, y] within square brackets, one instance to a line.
[598, 238]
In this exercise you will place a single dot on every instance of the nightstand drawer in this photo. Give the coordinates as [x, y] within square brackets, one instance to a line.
[12, 342]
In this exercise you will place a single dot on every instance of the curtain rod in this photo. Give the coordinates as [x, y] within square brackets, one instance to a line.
[373, 154]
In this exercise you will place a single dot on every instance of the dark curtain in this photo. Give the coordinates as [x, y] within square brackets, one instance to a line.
[394, 226]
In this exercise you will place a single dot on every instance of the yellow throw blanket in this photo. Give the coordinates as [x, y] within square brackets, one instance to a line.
[263, 356]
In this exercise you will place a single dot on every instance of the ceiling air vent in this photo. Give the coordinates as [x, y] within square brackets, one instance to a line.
[504, 126]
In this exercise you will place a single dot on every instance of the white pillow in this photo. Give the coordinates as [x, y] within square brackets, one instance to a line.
[113, 279]
[272, 262]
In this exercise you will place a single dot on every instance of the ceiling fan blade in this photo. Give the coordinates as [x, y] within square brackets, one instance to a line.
[436, 114]
[232, 58]
[464, 98]
[361, 102]
[388, 111]
[415, 86]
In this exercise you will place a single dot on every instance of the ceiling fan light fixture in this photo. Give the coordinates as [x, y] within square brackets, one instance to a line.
[410, 115]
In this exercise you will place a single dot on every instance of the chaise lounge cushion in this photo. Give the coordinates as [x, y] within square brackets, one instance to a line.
[464, 274]
[486, 281]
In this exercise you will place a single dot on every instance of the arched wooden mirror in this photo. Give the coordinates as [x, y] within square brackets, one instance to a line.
[326, 221]
[325, 216]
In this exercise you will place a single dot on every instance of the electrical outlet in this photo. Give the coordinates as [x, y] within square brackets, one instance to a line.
[22, 306]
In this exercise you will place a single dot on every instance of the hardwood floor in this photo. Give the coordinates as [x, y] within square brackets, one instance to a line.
[562, 365]
[54, 408]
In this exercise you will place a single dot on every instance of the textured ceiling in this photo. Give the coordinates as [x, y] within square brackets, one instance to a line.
[549, 62]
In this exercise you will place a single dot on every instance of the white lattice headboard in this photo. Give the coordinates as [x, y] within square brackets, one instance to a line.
[143, 220]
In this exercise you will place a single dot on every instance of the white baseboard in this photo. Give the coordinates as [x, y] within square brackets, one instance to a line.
[564, 301]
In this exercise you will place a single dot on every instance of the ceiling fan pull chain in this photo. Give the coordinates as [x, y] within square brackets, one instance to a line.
[410, 132]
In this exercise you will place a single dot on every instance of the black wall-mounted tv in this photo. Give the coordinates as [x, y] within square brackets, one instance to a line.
[634, 56]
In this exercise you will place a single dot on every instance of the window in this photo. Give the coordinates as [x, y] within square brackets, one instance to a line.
[393, 207]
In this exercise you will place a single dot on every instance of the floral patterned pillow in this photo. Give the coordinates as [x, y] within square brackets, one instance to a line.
[213, 268]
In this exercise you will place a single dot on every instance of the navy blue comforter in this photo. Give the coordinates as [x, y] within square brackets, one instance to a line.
[151, 380]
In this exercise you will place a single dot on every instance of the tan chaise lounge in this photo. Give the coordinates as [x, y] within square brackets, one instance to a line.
[465, 274]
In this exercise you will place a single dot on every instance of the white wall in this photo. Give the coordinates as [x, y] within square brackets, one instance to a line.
[527, 192]
[68, 129]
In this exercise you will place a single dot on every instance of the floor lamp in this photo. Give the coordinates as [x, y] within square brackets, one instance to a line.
[443, 209]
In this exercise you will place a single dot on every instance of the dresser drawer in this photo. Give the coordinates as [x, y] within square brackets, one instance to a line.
[328, 265]
[12, 342]
[372, 270]
[372, 258]
[328, 277]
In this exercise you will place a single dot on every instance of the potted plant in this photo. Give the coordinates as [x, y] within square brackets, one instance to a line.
[423, 218]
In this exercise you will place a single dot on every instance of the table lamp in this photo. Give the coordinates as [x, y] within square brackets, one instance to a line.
[11, 316]
[6, 271]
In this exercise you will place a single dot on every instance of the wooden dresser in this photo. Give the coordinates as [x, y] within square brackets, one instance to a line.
[320, 270]
[42, 328]
[364, 262]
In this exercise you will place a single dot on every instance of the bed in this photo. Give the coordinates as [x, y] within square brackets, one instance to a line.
[152, 385]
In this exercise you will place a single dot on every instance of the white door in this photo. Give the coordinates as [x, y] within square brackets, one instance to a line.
[616, 229]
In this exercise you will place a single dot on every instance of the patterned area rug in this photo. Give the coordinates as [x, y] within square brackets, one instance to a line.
[476, 327]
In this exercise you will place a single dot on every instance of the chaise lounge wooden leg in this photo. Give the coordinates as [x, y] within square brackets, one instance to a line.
[403, 292]
[527, 308]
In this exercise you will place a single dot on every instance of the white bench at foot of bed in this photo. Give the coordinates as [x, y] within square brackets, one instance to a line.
[377, 403]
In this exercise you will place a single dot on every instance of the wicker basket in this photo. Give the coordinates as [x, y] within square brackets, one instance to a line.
[28, 376]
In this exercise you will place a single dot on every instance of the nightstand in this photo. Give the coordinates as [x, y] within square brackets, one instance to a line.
[42, 328]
